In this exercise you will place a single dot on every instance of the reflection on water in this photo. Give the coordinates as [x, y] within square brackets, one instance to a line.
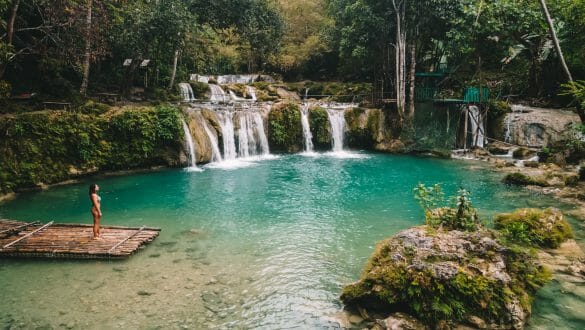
[263, 246]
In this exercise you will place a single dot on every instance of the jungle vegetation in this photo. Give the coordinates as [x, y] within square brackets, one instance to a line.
[66, 48]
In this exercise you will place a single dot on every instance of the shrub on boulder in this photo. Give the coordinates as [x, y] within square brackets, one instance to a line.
[533, 227]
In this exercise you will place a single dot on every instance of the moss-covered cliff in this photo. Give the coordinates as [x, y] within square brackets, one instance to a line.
[285, 132]
[46, 147]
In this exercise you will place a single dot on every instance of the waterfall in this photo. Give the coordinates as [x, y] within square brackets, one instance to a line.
[245, 139]
[187, 92]
[252, 139]
[216, 154]
[257, 117]
[234, 97]
[227, 132]
[217, 94]
[477, 126]
[190, 145]
[306, 127]
[251, 92]
[337, 121]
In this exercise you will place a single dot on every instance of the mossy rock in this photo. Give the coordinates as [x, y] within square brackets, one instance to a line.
[447, 277]
[523, 153]
[362, 127]
[534, 227]
[320, 128]
[521, 179]
[200, 89]
[285, 132]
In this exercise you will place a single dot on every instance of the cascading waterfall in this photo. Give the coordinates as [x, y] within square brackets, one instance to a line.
[252, 139]
[187, 92]
[190, 145]
[227, 132]
[308, 137]
[215, 153]
[477, 126]
[337, 121]
[251, 92]
[217, 94]
[234, 97]
[246, 140]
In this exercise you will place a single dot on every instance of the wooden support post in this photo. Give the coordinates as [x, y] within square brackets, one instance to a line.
[27, 235]
[465, 128]
[125, 239]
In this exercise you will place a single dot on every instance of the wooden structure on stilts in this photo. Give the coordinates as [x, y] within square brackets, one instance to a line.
[70, 241]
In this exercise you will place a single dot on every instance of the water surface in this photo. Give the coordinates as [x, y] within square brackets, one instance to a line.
[266, 245]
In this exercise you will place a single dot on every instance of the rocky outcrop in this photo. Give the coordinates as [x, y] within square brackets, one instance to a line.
[534, 127]
[445, 278]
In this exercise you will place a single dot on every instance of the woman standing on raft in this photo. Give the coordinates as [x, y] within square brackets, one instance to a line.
[96, 210]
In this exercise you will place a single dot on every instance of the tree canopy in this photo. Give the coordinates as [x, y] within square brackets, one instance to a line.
[44, 43]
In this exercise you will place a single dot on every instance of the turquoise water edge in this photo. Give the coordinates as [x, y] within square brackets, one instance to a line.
[265, 245]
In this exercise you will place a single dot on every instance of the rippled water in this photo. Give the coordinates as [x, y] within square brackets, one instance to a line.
[266, 245]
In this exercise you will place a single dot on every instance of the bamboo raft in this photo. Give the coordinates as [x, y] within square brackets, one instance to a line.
[72, 241]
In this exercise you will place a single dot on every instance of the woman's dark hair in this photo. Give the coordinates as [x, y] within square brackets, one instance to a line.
[92, 188]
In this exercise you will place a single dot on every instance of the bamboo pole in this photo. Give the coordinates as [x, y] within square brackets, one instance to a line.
[127, 238]
[27, 235]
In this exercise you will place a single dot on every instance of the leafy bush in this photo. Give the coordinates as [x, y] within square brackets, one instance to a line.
[48, 147]
[285, 129]
[460, 215]
[533, 227]
[320, 128]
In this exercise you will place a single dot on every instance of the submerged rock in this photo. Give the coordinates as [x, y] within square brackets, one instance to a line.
[445, 278]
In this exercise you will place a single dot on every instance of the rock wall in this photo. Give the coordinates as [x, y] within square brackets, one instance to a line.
[533, 127]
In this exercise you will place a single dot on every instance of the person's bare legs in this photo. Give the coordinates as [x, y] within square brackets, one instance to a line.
[96, 224]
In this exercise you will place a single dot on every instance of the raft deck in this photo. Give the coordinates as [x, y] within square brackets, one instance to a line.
[70, 241]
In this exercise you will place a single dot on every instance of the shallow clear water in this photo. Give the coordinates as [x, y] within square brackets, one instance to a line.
[266, 245]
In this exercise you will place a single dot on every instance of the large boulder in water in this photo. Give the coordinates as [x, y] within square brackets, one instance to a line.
[448, 277]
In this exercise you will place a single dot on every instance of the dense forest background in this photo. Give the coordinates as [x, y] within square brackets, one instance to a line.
[61, 48]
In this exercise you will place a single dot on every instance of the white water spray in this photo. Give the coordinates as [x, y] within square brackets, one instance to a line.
[227, 132]
[308, 137]
[187, 92]
[217, 94]
[215, 153]
[477, 126]
[337, 121]
[190, 145]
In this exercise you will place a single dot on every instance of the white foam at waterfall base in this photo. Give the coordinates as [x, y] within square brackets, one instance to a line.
[190, 149]
[238, 163]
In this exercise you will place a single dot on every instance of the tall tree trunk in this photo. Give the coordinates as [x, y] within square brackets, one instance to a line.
[555, 40]
[412, 80]
[174, 73]
[87, 54]
[10, 32]
[399, 9]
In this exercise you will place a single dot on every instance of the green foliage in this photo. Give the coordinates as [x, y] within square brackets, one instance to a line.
[5, 90]
[48, 147]
[320, 128]
[285, 129]
[461, 215]
[199, 89]
[533, 227]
